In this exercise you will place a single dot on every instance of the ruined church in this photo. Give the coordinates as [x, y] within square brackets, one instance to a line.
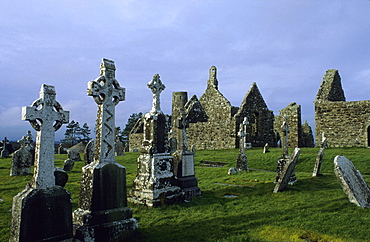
[345, 124]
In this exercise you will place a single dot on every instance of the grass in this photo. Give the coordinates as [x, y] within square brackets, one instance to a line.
[313, 209]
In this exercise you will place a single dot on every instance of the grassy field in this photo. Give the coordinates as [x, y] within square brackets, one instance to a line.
[313, 209]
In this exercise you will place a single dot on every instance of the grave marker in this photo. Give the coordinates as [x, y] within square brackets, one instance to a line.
[22, 158]
[241, 161]
[288, 170]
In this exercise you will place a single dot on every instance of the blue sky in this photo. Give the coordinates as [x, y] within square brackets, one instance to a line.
[284, 46]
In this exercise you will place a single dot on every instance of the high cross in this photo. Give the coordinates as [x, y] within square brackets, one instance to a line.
[243, 133]
[107, 93]
[46, 116]
[157, 87]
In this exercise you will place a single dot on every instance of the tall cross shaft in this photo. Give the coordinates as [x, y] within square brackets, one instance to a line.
[107, 93]
[243, 133]
[286, 132]
[46, 116]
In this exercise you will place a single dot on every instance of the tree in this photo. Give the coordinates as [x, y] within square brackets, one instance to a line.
[75, 134]
[123, 135]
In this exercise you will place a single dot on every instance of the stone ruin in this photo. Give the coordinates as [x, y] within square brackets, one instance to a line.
[345, 123]
[184, 111]
[352, 182]
[102, 213]
[155, 182]
[299, 135]
[43, 210]
[23, 158]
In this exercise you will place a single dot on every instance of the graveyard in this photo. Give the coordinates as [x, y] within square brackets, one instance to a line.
[238, 207]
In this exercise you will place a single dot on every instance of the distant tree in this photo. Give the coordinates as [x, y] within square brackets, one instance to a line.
[75, 134]
[123, 134]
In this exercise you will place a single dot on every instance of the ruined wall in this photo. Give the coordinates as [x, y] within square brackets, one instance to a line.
[345, 124]
[293, 111]
[307, 135]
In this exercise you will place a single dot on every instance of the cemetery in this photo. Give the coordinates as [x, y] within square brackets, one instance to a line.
[239, 187]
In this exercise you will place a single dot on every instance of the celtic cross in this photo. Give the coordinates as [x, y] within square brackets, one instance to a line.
[157, 87]
[243, 133]
[107, 93]
[46, 116]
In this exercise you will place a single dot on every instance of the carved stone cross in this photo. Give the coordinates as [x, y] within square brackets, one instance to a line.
[107, 93]
[46, 116]
[157, 87]
[285, 128]
[243, 133]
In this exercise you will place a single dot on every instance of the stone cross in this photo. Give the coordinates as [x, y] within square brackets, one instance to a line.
[157, 87]
[46, 116]
[285, 128]
[107, 93]
[243, 133]
[183, 124]
[323, 141]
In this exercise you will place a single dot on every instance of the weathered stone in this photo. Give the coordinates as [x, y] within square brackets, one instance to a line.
[352, 182]
[74, 155]
[287, 171]
[119, 148]
[68, 165]
[43, 210]
[266, 148]
[320, 157]
[89, 152]
[155, 183]
[22, 159]
[232, 171]
[241, 160]
[61, 176]
[4, 150]
[103, 214]
[61, 149]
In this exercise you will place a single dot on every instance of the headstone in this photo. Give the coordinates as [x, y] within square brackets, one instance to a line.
[232, 171]
[43, 210]
[266, 148]
[320, 157]
[352, 182]
[287, 171]
[22, 159]
[61, 149]
[4, 151]
[241, 160]
[173, 142]
[74, 155]
[61, 176]
[89, 152]
[185, 111]
[194, 150]
[102, 213]
[155, 183]
[285, 131]
[119, 148]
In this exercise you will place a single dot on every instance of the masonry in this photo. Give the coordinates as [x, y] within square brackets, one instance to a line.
[345, 124]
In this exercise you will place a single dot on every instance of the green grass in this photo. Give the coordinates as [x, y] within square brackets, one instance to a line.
[313, 209]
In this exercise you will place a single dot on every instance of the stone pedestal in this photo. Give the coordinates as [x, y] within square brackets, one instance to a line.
[241, 162]
[184, 169]
[155, 184]
[103, 213]
[41, 214]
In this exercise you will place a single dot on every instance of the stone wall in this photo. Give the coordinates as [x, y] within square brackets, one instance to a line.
[293, 111]
[345, 124]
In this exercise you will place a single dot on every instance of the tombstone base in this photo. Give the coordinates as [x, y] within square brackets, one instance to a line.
[155, 184]
[281, 164]
[105, 225]
[241, 162]
[189, 186]
[42, 214]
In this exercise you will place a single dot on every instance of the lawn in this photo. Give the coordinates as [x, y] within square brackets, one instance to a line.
[313, 209]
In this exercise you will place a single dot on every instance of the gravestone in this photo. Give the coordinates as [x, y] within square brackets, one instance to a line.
[61, 176]
[288, 170]
[61, 149]
[241, 160]
[232, 171]
[73, 155]
[155, 183]
[185, 111]
[352, 182]
[102, 213]
[284, 159]
[89, 152]
[22, 159]
[320, 157]
[4, 151]
[266, 148]
[119, 148]
[43, 210]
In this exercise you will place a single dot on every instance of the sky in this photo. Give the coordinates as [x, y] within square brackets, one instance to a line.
[284, 46]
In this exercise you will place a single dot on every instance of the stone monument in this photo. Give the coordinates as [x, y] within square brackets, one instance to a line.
[352, 182]
[287, 171]
[241, 160]
[22, 158]
[155, 183]
[103, 214]
[320, 157]
[285, 158]
[4, 151]
[43, 211]
[89, 152]
[185, 111]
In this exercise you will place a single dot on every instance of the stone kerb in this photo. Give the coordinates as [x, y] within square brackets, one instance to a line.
[287, 171]
[352, 182]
